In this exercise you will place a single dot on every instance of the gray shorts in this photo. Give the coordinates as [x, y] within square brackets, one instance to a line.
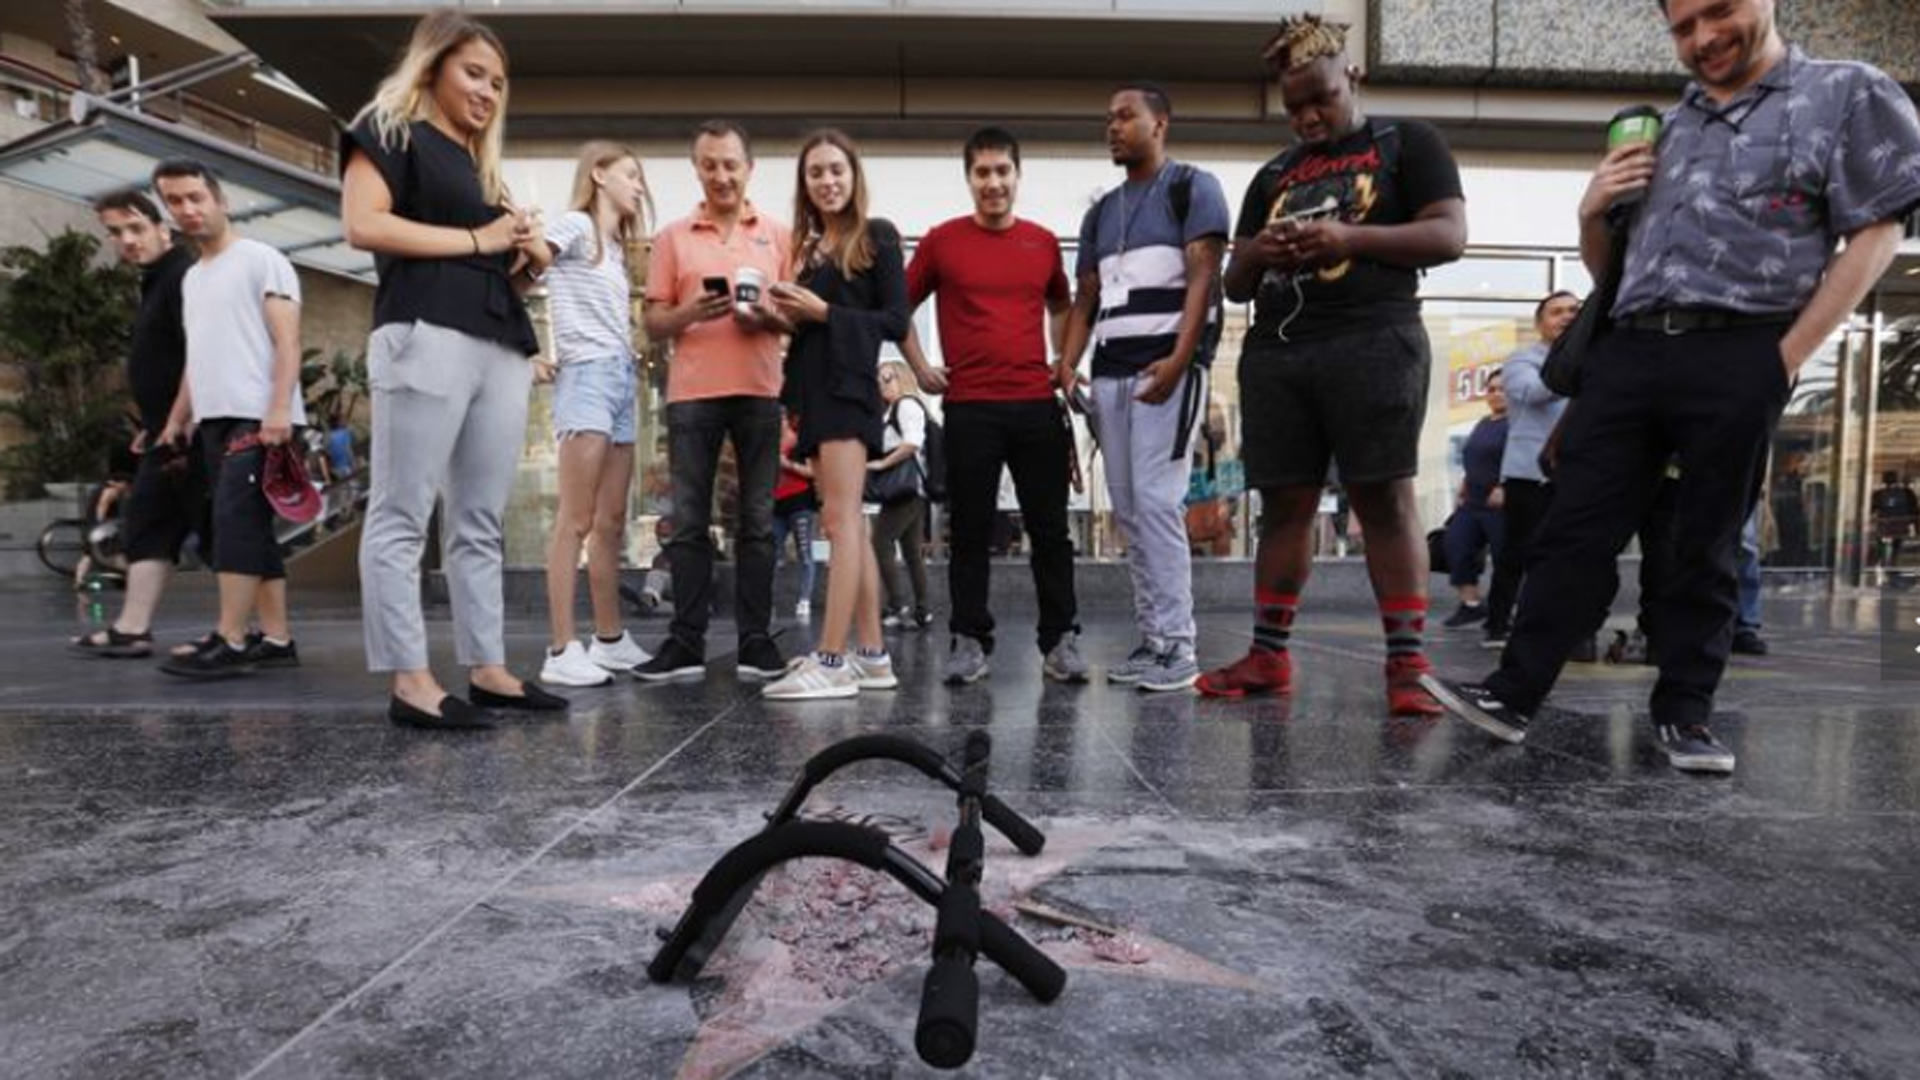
[1358, 399]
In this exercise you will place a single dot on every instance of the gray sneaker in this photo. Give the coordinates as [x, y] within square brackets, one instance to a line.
[1175, 669]
[966, 662]
[1064, 662]
[1135, 665]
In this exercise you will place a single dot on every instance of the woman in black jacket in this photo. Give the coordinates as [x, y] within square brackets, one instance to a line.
[850, 294]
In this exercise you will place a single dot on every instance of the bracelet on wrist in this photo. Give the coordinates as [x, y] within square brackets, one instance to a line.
[475, 237]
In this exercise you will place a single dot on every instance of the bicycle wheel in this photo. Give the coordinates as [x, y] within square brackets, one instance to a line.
[62, 545]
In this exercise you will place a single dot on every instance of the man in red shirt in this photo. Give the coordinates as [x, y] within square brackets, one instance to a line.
[1003, 297]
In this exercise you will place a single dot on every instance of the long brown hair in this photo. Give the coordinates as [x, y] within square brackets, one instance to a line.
[406, 94]
[852, 249]
[633, 228]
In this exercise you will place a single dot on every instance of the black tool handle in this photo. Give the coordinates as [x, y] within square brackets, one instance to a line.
[1008, 822]
[949, 1013]
[1021, 959]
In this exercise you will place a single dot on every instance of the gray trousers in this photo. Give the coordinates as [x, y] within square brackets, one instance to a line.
[1147, 484]
[897, 531]
[449, 421]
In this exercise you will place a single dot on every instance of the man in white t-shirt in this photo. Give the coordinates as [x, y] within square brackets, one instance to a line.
[241, 307]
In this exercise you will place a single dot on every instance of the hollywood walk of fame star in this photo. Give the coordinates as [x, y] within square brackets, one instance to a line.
[818, 935]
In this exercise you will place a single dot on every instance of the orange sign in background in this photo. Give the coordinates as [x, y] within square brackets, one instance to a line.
[1474, 349]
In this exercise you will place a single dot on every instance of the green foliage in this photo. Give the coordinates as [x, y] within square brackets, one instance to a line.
[66, 326]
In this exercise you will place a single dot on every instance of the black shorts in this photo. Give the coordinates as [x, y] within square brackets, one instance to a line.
[243, 536]
[166, 504]
[1359, 399]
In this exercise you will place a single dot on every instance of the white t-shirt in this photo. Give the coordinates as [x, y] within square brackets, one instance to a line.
[910, 417]
[590, 302]
[229, 349]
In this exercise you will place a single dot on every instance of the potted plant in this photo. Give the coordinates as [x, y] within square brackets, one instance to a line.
[66, 323]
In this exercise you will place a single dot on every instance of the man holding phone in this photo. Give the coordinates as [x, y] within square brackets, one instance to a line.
[723, 384]
[1330, 242]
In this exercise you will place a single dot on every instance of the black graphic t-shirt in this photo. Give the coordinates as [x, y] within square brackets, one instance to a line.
[1384, 173]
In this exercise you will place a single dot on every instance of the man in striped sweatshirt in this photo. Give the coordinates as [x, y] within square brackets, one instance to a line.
[1149, 270]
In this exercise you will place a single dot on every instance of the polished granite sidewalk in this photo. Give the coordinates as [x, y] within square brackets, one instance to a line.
[263, 878]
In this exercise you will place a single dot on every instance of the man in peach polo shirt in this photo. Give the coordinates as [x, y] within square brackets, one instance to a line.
[723, 383]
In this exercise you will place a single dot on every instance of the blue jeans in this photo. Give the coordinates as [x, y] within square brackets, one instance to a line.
[801, 526]
[1472, 531]
[598, 396]
[1749, 617]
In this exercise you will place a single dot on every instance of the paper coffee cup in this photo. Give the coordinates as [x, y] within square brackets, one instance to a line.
[747, 285]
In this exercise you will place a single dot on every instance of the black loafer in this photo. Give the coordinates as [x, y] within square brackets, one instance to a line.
[455, 715]
[530, 699]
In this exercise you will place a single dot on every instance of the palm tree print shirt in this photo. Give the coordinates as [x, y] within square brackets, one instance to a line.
[1750, 199]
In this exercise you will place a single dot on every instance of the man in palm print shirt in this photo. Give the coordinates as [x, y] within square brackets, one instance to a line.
[1731, 283]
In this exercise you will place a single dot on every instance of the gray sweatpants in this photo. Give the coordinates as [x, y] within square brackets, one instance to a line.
[449, 421]
[1147, 484]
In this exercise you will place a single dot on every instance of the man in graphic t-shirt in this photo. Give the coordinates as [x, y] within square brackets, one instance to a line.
[241, 306]
[1003, 295]
[1331, 239]
[1149, 271]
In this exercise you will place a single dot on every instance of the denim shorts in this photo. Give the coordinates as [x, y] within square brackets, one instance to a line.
[599, 396]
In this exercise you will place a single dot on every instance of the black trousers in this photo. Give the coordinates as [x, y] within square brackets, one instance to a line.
[1028, 438]
[1712, 399]
[696, 434]
[1525, 508]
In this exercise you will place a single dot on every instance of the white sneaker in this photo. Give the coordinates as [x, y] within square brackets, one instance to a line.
[810, 680]
[622, 655]
[874, 674]
[572, 668]
[803, 610]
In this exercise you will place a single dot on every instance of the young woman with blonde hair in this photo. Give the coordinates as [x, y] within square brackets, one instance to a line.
[850, 294]
[901, 523]
[447, 361]
[595, 401]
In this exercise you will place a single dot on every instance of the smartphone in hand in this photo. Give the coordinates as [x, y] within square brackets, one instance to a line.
[716, 286]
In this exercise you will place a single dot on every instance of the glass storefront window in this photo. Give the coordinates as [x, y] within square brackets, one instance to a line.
[1894, 470]
[1477, 312]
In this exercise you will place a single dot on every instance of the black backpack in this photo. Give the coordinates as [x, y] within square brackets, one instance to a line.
[933, 453]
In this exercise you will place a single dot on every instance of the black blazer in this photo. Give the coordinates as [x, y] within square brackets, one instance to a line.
[862, 312]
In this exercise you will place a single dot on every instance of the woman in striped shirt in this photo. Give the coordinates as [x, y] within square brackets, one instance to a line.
[589, 296]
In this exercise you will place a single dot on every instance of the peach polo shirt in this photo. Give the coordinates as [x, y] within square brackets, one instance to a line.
[718, 358]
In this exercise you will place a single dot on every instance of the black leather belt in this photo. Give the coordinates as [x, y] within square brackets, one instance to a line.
[1673, 321]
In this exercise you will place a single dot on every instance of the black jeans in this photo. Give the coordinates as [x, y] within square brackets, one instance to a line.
[1525, 507]
[696, 432]
[1713, 399]
[1029, 438]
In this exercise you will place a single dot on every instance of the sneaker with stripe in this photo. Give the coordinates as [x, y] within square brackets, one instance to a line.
[1479, 706]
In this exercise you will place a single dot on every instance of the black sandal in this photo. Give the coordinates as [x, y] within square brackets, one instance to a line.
[198, 645]
[116, 646]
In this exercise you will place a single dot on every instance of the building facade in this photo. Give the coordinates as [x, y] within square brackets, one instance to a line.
[1521, 88]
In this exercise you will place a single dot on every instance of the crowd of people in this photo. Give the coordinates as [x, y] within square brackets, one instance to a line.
[775, 330]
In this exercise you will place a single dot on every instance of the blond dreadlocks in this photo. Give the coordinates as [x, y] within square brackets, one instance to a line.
[1302, 40]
